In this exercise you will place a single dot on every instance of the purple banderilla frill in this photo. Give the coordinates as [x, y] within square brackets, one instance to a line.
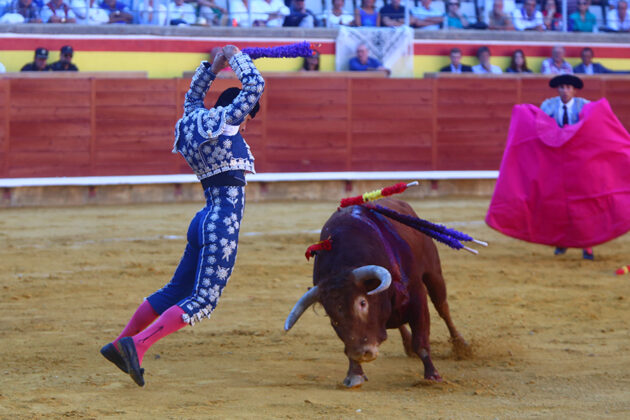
[440, 233]
[300, 49]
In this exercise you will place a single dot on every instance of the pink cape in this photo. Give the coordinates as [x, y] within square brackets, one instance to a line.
[567, 187]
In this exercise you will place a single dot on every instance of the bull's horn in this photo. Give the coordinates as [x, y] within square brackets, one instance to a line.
[373, 271]
[305, 301]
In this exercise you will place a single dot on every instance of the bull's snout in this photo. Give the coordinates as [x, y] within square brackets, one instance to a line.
[365, 353]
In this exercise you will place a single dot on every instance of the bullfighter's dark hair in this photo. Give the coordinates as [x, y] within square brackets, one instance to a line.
[228, 96]
[482, 50]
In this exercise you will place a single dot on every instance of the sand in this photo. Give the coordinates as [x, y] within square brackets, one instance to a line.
[550, 335]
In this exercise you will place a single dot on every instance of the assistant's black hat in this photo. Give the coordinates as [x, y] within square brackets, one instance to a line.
[566, 79]
[67, 49]
[41, 53]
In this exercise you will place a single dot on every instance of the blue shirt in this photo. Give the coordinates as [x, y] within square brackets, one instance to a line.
[372, 64]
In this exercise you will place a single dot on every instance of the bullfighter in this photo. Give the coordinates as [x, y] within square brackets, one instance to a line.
[565, 109]
[563, 177]
[211, 143]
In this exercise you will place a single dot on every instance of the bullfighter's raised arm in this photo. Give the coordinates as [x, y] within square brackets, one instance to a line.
[201, 81]
[253, 86]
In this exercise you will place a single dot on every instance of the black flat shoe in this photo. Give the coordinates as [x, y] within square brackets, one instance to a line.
[559, 251]
[111, 353]
[130, 356]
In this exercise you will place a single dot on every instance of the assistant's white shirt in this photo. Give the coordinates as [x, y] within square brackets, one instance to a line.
[333, 21]
[89, 14]
[479, 69]
[423, 13]
[239, 12]
[261, 11]
[522, 22]
[614, 22]
[47, 12]
[185, 12]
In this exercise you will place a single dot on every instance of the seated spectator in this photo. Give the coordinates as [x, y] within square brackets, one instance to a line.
[211, 14]
[57, 11]
[88, 12]
[552, 18]
[392, 14]
[366, 15]
[518, 64]
[619, 19]
[588, 67]
[556, 64]
[455, 19]
[337, 17]
[239, 15]
[363, 62]
[179, 13]
[456, 65]
[498, 19]
[300, 16]
[40, 62]
[65, 60]
[269, 12]
[21, 11]
[528, 18]
[117, 11]
[484, 66]
[311, 63]
[426, 16]
[582, 20]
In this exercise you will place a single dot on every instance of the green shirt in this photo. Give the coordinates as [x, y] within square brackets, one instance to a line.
[579, 25]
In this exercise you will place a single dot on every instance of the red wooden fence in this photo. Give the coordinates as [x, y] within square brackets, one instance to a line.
[87, 127]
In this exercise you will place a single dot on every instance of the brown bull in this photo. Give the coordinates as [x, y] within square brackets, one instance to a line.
[375, 277]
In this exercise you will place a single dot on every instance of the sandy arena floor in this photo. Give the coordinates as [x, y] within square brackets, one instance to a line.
[551, 335]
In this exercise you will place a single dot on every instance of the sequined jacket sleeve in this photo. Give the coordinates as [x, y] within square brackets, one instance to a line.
[201, 81]
[253, 86]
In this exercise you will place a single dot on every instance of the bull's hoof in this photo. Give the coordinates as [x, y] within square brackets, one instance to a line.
[435, 377]
[461, 349]
[354, 381]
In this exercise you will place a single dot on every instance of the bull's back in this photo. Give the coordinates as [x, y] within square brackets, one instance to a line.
[422, 245]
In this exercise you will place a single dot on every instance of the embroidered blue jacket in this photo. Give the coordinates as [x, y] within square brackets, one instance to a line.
[204, 136]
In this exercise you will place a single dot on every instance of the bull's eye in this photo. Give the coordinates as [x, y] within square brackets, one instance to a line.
[363, 303]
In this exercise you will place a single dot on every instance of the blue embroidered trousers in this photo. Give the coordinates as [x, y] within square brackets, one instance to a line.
[209, 257]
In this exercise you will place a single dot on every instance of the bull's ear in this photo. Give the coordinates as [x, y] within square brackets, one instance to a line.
[370, 272]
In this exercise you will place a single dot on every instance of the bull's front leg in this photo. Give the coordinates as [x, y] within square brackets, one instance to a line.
[355, 377]
[420, 324]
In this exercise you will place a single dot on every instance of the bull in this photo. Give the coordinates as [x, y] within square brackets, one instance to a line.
[376, 277]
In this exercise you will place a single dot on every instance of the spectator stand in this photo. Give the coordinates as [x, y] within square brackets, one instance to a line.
[157, 12]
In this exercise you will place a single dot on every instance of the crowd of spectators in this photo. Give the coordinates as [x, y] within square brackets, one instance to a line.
[520, 15]
[554, 65]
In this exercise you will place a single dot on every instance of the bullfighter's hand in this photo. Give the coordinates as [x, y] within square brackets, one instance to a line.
[219, 63]
[229, 51]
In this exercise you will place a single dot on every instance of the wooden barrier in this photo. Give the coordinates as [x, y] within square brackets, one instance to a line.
[124, 126]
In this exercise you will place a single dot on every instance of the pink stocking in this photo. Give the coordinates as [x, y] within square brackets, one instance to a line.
[143, 317]
[169, 322]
